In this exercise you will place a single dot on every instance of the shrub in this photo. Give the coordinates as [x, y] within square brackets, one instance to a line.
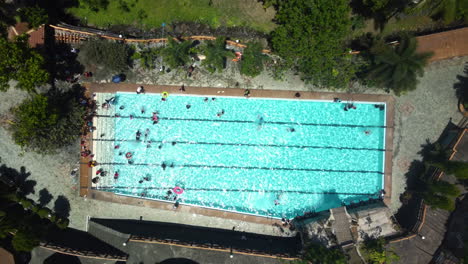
[177, 54]
[439, 201]
[319, 254]
[107, 54]
[374, 251]
[252, 60]
[216, 54]
[445, 188]
[25, 241]
[147, 57]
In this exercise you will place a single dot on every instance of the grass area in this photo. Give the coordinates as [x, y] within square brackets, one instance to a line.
[409, 23]
[152, 13]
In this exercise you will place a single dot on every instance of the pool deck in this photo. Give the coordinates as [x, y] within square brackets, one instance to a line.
[86, 172]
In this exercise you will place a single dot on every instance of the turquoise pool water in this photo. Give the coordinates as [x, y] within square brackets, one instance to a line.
[278, 158]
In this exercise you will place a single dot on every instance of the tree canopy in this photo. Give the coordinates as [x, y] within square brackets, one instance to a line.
[46, 123]
[177, 54]
[397, 68]
[34, 15]
[447, 11]
[20, 221]
[319, 254]
[310, 36]
[107, 54]
[374, 251]
[21, 63]
[252, 60]
[216, 54]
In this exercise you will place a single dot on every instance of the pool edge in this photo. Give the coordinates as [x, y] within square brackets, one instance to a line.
[85, 190]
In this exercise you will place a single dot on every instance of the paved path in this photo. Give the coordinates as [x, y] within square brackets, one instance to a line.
[445, 45]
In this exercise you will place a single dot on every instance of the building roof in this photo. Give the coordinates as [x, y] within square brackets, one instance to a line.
[36, 36]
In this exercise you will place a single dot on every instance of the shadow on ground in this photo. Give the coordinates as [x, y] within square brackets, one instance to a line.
[44, 197]
[18, 179]
[62, 206]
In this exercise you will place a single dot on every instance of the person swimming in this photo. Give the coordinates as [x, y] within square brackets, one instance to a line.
[155, 118]
[260, 122]
[221, 113]
[138, 135]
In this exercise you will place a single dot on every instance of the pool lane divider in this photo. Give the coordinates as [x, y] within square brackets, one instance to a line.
[170, 165]
[242, 121]
[237, 144]
[234, 190]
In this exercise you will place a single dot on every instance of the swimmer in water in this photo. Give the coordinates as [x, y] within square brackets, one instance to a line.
[260, 122]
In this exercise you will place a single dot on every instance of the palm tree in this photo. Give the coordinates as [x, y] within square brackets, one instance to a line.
[177, 54]
[216, 54]
[398, 68]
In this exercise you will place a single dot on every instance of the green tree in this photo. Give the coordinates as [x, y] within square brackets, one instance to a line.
[310, 37]
[318, 254]
[21, 63]
[147, 57]
[177, 54]
[20, 225]
[45, 123]
[457, 168]
[25, 241]
[398, 68]
[216, 54]
[34, 15]
[439, 201]
[445, 188]
[440, 194]
[252, 60]
[33, 119]
[374, 251]
[111, 55]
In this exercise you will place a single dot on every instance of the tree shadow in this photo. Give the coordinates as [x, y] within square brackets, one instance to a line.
[56, 10]
[45, 197]
[461, 87]
[18, 179]
[65, 62]
[62, 206]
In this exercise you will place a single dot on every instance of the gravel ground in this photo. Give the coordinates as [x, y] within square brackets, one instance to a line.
[420, 115]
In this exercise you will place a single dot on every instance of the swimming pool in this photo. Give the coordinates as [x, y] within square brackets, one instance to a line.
[268, 157]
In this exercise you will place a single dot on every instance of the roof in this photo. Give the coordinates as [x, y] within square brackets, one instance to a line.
[36, 36]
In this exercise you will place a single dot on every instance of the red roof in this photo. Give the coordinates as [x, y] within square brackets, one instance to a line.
[36, 36]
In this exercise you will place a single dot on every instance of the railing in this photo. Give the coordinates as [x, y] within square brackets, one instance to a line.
[84, 253]
[85, 33]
